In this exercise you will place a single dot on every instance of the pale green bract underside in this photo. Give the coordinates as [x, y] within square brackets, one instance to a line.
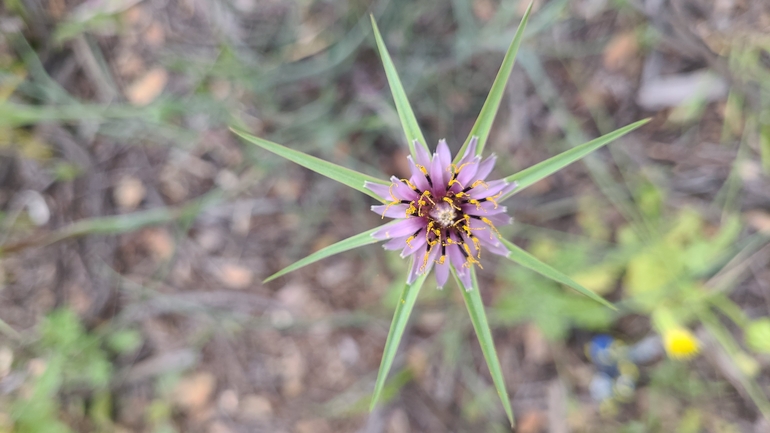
[412, 132]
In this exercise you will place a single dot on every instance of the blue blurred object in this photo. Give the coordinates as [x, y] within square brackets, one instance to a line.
[616, 366]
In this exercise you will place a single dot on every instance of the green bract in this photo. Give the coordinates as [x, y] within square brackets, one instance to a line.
[414, 137]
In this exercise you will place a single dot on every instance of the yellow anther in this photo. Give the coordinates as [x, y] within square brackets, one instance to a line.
[477, 203]
[426, 195]
[479, 182]
[441, 260]
[470, 260]
[409, 184]
[491, 226]
[453, 181]
[422, 169]
[411, 209]
[409, 241]
[477, 244]
[451, 203]
[494, 198]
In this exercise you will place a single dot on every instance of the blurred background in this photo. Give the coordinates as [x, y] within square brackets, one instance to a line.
[135, 229]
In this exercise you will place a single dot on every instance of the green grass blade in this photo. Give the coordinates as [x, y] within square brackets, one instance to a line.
[405, 113]
[350, 243]
[484, 333]
[548, 167]
[397, 326]
[529, 261]
[488, 112]
[342, 175]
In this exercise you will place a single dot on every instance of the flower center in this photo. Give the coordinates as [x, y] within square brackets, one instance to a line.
[444, 214]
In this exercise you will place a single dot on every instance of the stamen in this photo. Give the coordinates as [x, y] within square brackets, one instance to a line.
[422, 169]
[475, 184]
[410, 184]
[413, 237]
[492, 226]
[477, 203]
[451, 203]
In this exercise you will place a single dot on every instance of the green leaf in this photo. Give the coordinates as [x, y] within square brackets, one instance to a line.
[342, 175]
[484, 333]
[397, 326]
[550, 166]
[488, 112]
[529, 261]
[405, 113]
[350, 243]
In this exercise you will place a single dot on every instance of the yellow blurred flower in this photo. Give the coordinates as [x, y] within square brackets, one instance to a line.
[680, 343]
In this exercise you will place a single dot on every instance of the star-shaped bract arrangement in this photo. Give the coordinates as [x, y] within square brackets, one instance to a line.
[446, 213]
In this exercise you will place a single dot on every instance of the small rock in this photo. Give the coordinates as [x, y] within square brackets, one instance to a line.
[128, 193]
[256, 408]
[235, 276]
[621, 49]
[312, 426]
[159, 243]
[219, 427]
[349, 353]
[148, 87]
[398, 422]
[193, 392]
[228, 402]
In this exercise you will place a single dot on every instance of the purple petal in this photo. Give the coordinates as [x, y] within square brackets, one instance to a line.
[510, 187]
[487, 209]
[497, 219]
[457, 258]
[416, 263]
[484, 169]
[381, 190]
[393, 211]
[488, 190]
[492, 245]
[466, 280]
[470, 151]
[401, 191]
[416, 243]
[404, 227]
[418, 179]
[421, 154]
[468, 172]
[395, 243]
[444, 155]
[442, 272]
[437, 176]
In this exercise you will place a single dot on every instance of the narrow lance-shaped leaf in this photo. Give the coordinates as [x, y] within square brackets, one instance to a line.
[400, 318]
[404, 109]
[548, 167]
[529, 261]
[488, 112]
[342, 175]
[350, 243]
[484, 333]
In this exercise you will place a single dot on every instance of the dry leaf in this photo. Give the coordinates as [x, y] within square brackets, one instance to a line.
[193, 392]
[146, 89]
[235, 276]
[620, 50]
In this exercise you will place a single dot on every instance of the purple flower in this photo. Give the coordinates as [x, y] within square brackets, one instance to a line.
[446, 213]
